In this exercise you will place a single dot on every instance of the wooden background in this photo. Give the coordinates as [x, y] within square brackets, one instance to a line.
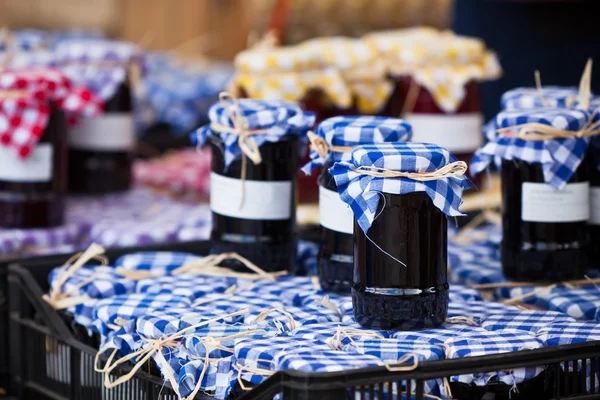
[219, 28]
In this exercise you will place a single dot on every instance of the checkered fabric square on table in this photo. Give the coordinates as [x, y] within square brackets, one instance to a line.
[219, 339]
[277, 118]
[559, 157]
[529, 97]
[479, 311]
[463, 293]
[438, 335]
[324, 361]
[102, 282]
[561, 333]
[527, 321]
[391, 350]
[229, 303]
[155, 260]
[362, 192]
[474, 270]
[474, 345]
[215, 379]
[353, 131]
[581, 303]
[191, 286]
[23, 119]
[325, 332]
[277, 319]
[98, 64]
[282, 286]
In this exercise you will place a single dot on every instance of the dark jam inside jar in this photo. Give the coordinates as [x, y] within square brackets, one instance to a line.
[460, 131]
[264, 230]
[335, 264]
[387, 294]
[32, 191]
[534, 249]
[101, 149]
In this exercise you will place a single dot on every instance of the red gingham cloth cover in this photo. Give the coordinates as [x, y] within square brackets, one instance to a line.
[182, 171]
[23, 118]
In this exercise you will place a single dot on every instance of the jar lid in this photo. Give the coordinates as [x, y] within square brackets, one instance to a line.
[399, 168]
[529, 97]
[276, 59]
[341, 134]
[99, 64]
[24, 109]
[556, 138]
[258, 121]
[340, 52]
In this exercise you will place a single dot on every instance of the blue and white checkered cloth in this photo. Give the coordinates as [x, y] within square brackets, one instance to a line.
[306, 258]
[391, 350]
[527, 321]
[309, 315]
[158, 261]
[463, 293]
[191, 286]
[326, 331]
[529, 97]
[200, 340]
[324, 361]
[277, 118]
[82, 59]
[561, 333]
[216, 378]
[103, 282]
[583, 303]
[479, 311]
[559, 157]
[363, 192]
[438, 335]
[473, 345]
[355, 131]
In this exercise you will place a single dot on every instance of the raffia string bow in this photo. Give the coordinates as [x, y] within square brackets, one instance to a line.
[240, 128]
[457, 168]
[318, 144]
[535, 131]
[60, 299]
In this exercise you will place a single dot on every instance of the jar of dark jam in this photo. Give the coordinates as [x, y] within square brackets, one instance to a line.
[101, 148]
[545, 235]
[32, 190]
[458, 131]
[336, 254]
[263, 229]
[387, 294]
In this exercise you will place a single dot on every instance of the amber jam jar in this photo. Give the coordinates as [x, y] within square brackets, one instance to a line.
[102, 148]
[263, 230]
[32, 191]
[388, 295]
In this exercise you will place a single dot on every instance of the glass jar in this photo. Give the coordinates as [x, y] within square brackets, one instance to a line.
[594, 222]
[336, 253]
[263, 229]
[459, 131]
[545, 233]
[387, 294]
[102, 148]
[32, 191]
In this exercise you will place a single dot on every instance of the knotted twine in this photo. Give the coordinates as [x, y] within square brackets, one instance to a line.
[454, 169]
[318, 144]
[240, 127]
[60, 300]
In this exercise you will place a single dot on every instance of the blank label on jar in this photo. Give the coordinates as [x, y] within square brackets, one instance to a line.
[107, 132]
[37, 167]
[543, 203]
[334, 214]
[263, 200]
[595, 205]
[459, 133]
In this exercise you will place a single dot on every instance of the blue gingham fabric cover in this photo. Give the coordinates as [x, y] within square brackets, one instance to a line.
[182, 107]
[278, 118]
[362, 192]
[80, 59]
[529, 97]
[559, 157]
[355, 131]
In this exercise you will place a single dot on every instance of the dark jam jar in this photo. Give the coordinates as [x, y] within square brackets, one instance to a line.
[458, 131]
[387, 294]
[263, 229]
[336, 253]
[32, 190]
[545, 233]
[101, 149]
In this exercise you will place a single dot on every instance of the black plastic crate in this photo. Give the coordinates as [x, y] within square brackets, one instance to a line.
[36, 329]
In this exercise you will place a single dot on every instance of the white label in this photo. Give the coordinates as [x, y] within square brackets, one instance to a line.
[543, 203]
[37, 167]
[107, 132]
[334, 214]
[459, 133]
[595, 205]
[267, 200]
